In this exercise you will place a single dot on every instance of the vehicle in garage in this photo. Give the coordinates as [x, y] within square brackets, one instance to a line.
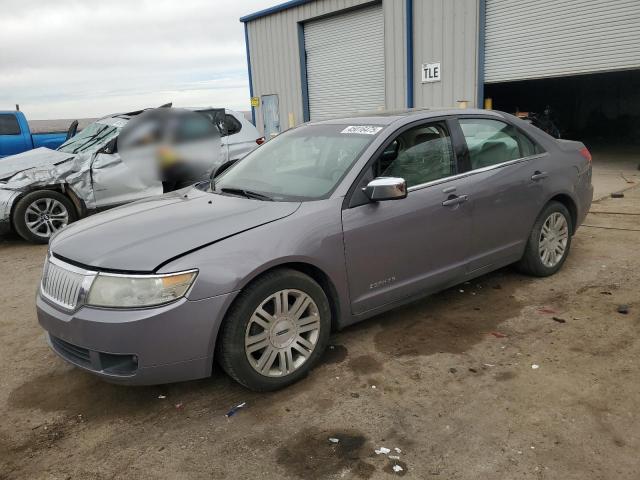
[43, 190]
[16, 135]
[325, 225]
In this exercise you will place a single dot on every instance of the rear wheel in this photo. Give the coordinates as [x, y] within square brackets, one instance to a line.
[40, 214]
[276, 331]
[549, 241]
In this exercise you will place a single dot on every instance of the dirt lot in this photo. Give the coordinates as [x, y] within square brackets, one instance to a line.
[454, 387]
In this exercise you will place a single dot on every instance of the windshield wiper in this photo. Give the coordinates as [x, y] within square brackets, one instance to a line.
[246, 193]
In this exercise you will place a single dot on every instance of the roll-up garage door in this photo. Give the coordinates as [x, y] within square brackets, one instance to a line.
[345, 63]
[549, 38]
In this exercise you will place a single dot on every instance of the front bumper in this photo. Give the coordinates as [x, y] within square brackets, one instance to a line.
[5, 227]
[150, 346]
[585, 198]
[7, 198]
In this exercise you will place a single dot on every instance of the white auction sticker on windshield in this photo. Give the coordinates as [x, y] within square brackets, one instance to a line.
[362, 129]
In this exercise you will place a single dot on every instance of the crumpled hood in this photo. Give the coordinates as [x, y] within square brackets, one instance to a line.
[41, 157]
[140, 236]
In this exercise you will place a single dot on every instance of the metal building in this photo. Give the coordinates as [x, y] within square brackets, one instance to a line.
[313, 59]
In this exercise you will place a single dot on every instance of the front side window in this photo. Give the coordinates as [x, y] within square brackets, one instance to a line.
[304, 163]
[419, 155]
[9, 125]
[491, 142]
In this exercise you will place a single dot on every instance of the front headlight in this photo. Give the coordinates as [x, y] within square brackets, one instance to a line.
[109, 290]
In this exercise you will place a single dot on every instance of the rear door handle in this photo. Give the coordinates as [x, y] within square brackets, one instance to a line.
[537, 175]
[455, 200]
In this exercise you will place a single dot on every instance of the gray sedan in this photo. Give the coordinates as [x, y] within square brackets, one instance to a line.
[323, 226]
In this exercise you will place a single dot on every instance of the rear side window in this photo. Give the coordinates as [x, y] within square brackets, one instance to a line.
[9, 125]
[492, 142]
[232, 124]
[217, 117]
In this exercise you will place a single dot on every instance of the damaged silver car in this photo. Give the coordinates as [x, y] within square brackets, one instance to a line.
[43, 190]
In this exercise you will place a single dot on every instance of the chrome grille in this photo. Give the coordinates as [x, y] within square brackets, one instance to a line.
[65, 284]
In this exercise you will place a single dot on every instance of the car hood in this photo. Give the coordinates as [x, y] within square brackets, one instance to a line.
[38, 158]
[141, 236]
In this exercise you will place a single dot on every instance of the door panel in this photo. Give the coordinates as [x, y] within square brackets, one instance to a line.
[505, 204]
[115, 183]
[217, 116]
[397, 249]
[224, 149]
[504, 198]
[238, 147]
[270, 115]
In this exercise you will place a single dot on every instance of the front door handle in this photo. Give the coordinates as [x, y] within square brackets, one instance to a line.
[538, 175]
[455, 200]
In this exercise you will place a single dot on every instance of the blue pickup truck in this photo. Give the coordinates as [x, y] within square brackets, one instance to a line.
[16, 136]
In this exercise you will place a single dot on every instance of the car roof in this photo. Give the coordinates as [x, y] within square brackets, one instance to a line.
[130, 115]
[390, 116]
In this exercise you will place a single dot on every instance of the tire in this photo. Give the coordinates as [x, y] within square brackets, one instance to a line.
[533, 261]
[55, 212]
[242, 328]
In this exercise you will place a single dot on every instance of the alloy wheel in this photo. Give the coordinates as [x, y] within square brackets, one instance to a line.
[553, 239]
[282, 333]
[46, 216]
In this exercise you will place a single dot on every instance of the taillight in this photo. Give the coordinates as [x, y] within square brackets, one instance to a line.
[584, 151]
[260, 140]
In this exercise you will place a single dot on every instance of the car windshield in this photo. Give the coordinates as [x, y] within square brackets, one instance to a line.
[91, 138]
[305, 163]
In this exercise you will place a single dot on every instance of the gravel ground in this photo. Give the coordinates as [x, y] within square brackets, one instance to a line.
[449, 380]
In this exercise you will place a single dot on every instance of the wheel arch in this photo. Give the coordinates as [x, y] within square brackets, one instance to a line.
[566, 200]
[319, 276]
[62, 189]
[311, 270]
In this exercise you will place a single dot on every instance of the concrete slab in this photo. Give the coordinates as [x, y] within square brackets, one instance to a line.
[614, 169]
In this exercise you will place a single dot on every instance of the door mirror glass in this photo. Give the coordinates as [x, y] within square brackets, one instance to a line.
[386, 188]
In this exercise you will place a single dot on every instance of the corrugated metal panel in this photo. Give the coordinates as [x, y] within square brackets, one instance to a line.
[394, 54]
[275, 57]
[345, 63]
[528, 39]
[446, 31]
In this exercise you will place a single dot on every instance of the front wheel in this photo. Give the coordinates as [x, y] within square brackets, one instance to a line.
[549, 242]
[276, 331]
[40, 214]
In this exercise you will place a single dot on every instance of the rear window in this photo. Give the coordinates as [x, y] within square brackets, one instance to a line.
[9, 124]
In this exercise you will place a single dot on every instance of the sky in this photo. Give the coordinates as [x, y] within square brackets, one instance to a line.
[88, 58]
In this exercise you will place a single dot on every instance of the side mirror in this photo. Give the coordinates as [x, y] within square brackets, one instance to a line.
[386, 188]
[110, 147]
